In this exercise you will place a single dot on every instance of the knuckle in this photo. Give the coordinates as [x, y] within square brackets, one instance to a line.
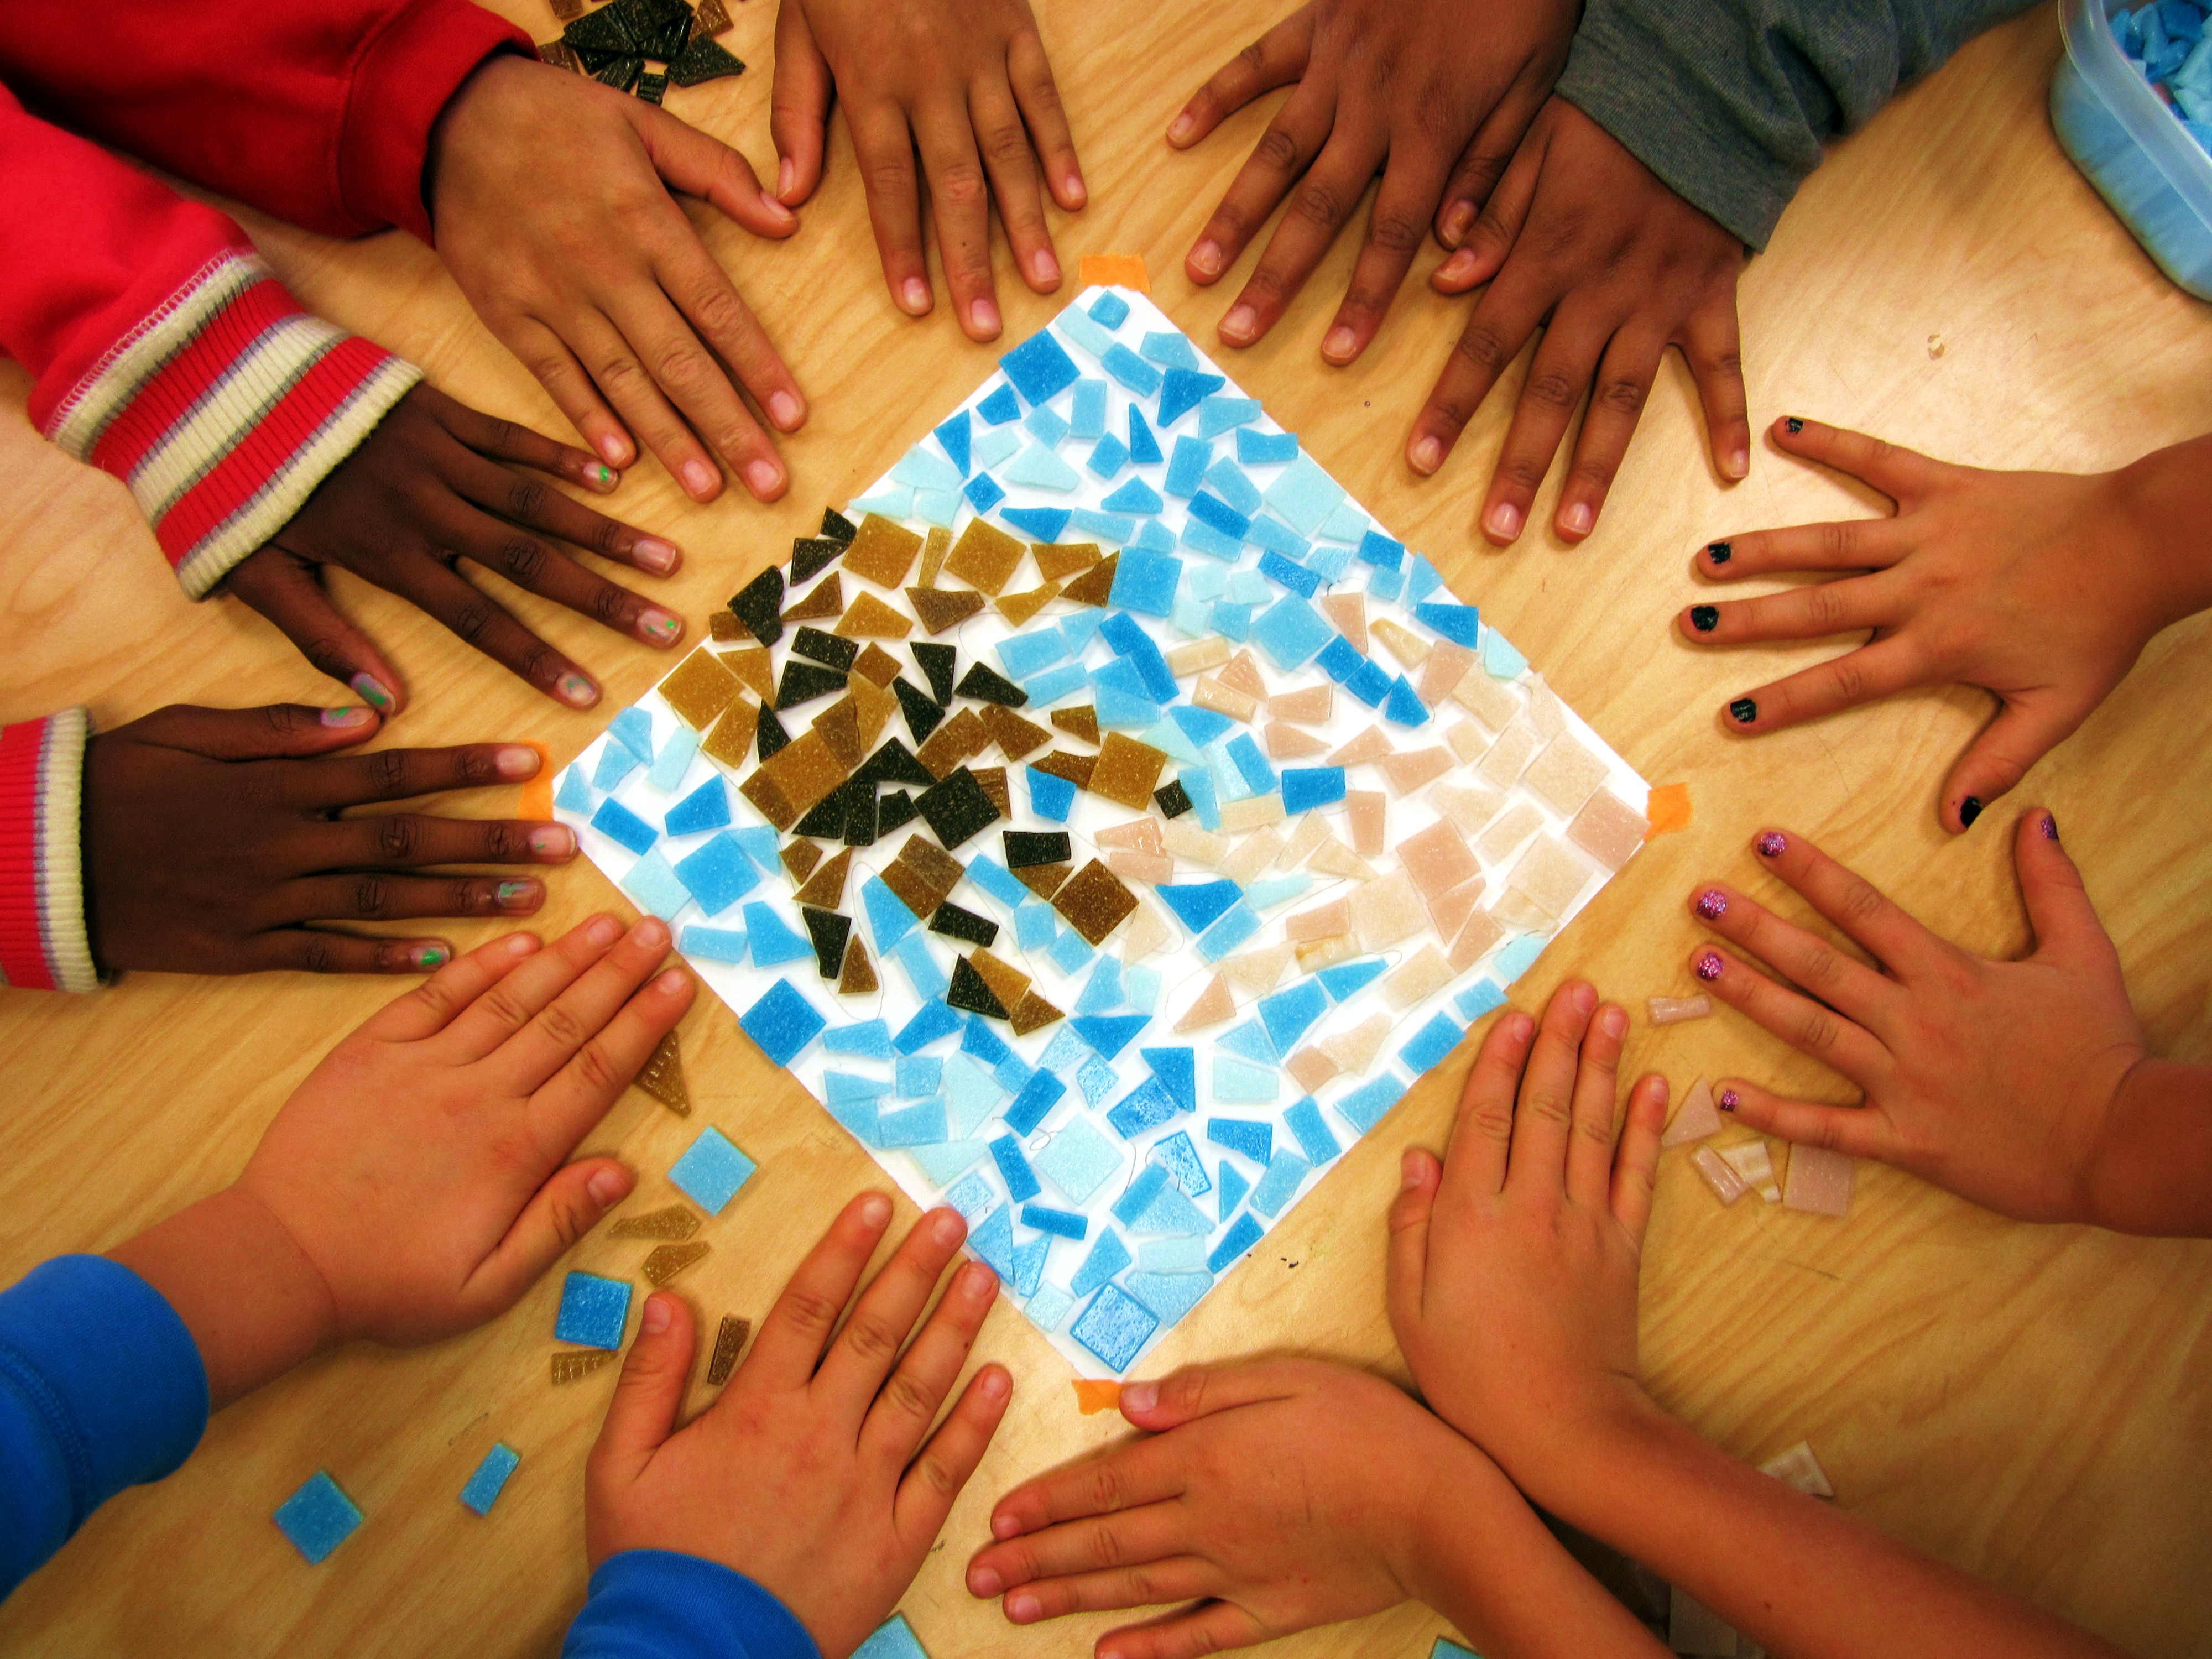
[1107, 1492]
[523, 559]
[367, 895]
[938, 1474]
[1552, 389]
[1849, 678]
[1009, 146]
[871, 1337]
[1277, 150]
[1493, 1122]
[525, 497]
[388, 768]
[1862, 901]
[398, 837]
[809, 1309]
[1395, 232]
[541, 665]
[1546, 1106]
[1523, 471]
[719, 312]
[889, 175]
[1839, 542]
[909, 1397]
[1818, 965]
[610, 605]
[504, 841]
[599, 1074]
[476, 770]
[316, 956]
[682, 369]
[1823, 607]
[508, 1013]
[560, 1027]
[1817, 1030]
[1483, 348]
[960, 183]
[472, 620]
[1621, 393]
[1320, 203]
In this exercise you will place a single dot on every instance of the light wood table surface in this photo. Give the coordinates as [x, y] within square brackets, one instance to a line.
[2033, 1404]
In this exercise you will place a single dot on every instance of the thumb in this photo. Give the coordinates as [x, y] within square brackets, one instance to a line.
[800, 106]
[564, 1209]
[288, 590]
[696, 164]
[277, 731]
[1200, 1390]
[2021, 734]
[1408, 1265]
[643, 1413]
[2058, 906]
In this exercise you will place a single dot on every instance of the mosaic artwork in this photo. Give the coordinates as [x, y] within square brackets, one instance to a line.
[1106, 820]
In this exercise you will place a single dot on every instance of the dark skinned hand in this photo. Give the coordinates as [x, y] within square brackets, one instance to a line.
[212, 836]
[965, 84]
[1432, 94]
[424, 491]
[1581, 232]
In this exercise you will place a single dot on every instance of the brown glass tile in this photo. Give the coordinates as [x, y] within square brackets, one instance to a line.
[1032, 1013]
[870, 618]
[1096, 584]
[826, 886]
[882, 552]
[877, 667]
[1081, 721]
[730, 1338]
[839, 725]
[724, 627]
[669, 1260]
[1059, 560]
[800, 858]
[1127, 771]
[1076, 768]
[934, 547]
[859, 978]
[731, 742]
[1015, 736]
[939, 867]
[940, 608]
[573, 1365]
[993, 780]
[1018, 608]
[984, 556]
[1042, 879]
[1008, 983]
[755, 669]
[762, 791]
[1094, 902]
[959, 739]
[873, 708]
[674, 1222]
[662, 1077]
[826, 600]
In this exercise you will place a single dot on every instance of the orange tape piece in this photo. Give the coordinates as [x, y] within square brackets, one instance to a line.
[1670, 809]
[537, 793]
[1114, 271]
[1092, 1398]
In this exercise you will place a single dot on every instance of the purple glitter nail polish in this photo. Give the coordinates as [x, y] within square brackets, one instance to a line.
[1709, 966]
[2050, 828]
[1772, 845]
[1726, 1103]
[1712, 904]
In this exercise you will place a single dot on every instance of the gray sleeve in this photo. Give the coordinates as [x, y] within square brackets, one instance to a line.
[1729, 101]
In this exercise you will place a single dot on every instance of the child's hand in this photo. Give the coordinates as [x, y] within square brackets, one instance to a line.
[424, 492]
[1432, 94]
[1513, 1266]
[2041, 587]
[964, 83]
[416, 1183]
[555, 200]
[815, 1475]
[211, 834]
[1995, 1079]
[1580, 233]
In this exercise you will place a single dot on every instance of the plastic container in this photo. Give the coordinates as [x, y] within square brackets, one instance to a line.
[2132, 147]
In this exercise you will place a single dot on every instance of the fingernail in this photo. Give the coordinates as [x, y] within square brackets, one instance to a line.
[978, 1281]
[1338, 346]
[699, 479]
[671, 982]
[351, 714]
[1457, 219]
[1728, 1101]
[787, 175]
[1576, 520]
[875, 1209]
[1207, 258]
[1004, 1526]
[520, 944]
[1739, 464]
[602, 931]
[576, 690]
[1239, 323]
[651, 932]
[1075, 189]
[947, 1228]
[613, 448]
[915, 295]
[764, 477]
[1718, 552]
[1180, 127]
[1428, 455]
[1045, 268]
[1504, 521]
[1712, 904]
[982, 1582]
[517, 894]
[785, 410]
[2050, 828]
[1140, 1396]
[606, 1188]
[1969, 810]
[1743, 711]
[599, 476]
[370, 690]
[661, 627]
[430, 955]
[1458, 268]
[1409, 1170]
[777, 213]
[1612, 1021]
[1021, 1608]
[1709, 966]
[651, 553]
[1705, 617]
[1583, 998]
[984, 317]
[553, 841]
[1793, 425]
[516, 760]
[656, 1313]
[1772, 844]
[997, 1385]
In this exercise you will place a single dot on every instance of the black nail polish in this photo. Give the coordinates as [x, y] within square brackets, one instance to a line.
[1743, 711]
[1719, 552]
[1795, 425]
[1969, 810]
[2050, 828]
[1703, 616]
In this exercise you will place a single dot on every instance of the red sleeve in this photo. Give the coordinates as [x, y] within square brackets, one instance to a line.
[43, 941]
[316, 111]
[163, 351]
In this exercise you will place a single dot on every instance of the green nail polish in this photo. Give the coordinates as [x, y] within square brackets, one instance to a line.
[430, 955]
[513, 892]
[370, 690]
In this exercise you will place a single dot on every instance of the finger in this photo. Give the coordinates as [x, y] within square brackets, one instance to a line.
[1475, 1163]
[1852, 544]
[1152, 1532]
[1210, 1627]
[405, 841]
[273, 732]
[1849, 605]
[287, 590]
[1480, 167]
[1886, 932]
[1030, 73]
[866, 1350]
[1012, 166]
[378, 895]
[1488, 242]
[699, 164]
[1544, 1115]
[1805, 959]
[513, 441]
[1285, 151]
[316, 950]
[1148, 1471]
[332, 783]
[529, 503]
[1712, 344]
[488, 1021]
[1500, 324]
[574, 1102]
[1595, 1103]
[1275, 59]
[1395, 227]
[902, 1414]
[883, 146]
[1636, 1159]
[1197, 1391]
[568, 1206]
[1566, 359]
[1320, 204]
[728, 325]
[692, 376]
[643, 1413]
[2058, 906]
[1419, 1177]
[1178, 1578]
[791, 1339]
[478, 620]
[1855, 1131]
[1902, 475]
[2022, 733]
[1624, 379]
[960, 206]
[798, 108]
[1815, 1031]
[432, 1006]
[926, 1493]
[1888, 666]
[616, 361]
[564, 1036]
[548, 357]
[537, 566]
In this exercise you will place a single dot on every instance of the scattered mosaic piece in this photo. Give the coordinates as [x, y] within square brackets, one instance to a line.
[594, 1310]
[670, 1260]
[729, 1342]
[662, 1076]
[317, 1518]
[490, 1478]
[674, 1222]
[576, 1364]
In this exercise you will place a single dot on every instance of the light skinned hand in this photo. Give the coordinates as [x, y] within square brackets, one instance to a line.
[424, 491]
[2042, 588]
[1513, 1263]
[815, 1474]
[966, 85]
[1433, 94]
[1581, 234]
[417, 1183]
[559, 208]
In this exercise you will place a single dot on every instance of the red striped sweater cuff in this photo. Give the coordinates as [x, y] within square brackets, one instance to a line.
[43, 941]
[223, 410]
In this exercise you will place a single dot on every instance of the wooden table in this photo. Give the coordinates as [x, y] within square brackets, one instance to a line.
[2028, 1403]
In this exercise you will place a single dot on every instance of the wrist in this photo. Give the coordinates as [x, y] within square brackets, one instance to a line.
[2160, 504]
[464, 114]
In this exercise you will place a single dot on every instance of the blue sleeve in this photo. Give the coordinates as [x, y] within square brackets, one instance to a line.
[657, 1604]
[101, 1388]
